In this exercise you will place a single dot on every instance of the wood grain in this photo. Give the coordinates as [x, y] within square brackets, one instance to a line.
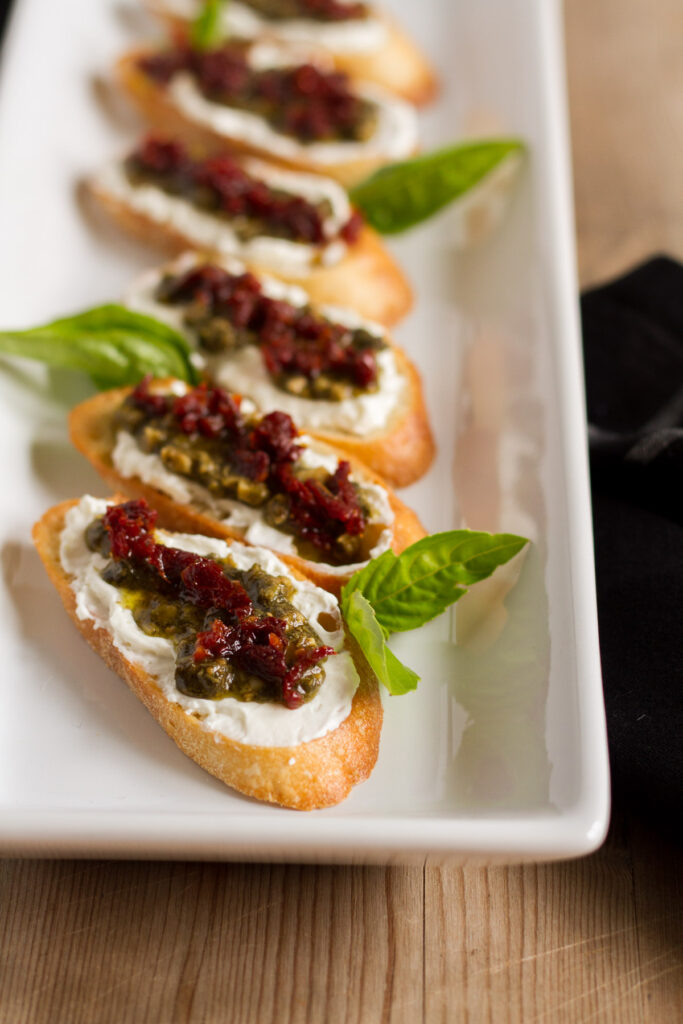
[145, 942]
[625, 69]
[598, 940]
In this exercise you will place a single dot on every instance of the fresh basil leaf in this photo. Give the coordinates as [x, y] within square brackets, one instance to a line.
[400, 195]
[113, 345]
[392, 673]
[207, 28]
[407, 590]
[396, 593]
[112, 317]
[361, 580]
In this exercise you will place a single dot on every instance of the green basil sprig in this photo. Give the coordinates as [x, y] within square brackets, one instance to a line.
[113, 345]
[395, 593]
[401, 195]
[362, 622]
[207, 28]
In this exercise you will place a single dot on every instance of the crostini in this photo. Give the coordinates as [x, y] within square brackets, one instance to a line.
[209, 464]
[298, 226]
[270, 100]
[245, 665]
[335, 373]
[362, 40]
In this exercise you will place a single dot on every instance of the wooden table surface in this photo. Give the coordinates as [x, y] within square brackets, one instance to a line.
[594, 940]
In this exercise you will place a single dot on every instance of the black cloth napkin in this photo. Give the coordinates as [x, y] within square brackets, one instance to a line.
[4, 9]
[633, 350]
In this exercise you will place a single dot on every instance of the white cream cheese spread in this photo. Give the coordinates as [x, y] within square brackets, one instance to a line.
[130, 461]
[355, 36]
[361, 415]
[264, 725]
[207, 231]
[244, 371]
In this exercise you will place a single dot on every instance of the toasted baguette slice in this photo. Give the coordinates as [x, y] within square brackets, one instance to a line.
[91, 426]
[158, 107]
[396, 64]
[314, 774]
[400, 449]
[366, 278]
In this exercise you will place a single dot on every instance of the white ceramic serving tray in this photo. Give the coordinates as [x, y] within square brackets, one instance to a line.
[501, 753]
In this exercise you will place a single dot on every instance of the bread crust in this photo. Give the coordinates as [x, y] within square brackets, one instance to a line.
[398, 66]
[323, 771]
[90, 426]
[156, 107]
[367, 279]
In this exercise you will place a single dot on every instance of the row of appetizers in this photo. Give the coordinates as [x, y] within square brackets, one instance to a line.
[355, 36]
[256, 140]
[276, 469]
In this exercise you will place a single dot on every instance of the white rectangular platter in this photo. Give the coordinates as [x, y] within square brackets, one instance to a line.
[501, 753]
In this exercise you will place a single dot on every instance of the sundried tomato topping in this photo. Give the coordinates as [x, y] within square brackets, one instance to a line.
[199, 580]
[316, 507]
[259, 646]
[292, 339]
[256, 446]
[305, 101]
[204, 583]
[311, 104]
[130, 530]
[232, 190]
[208, 411]
[218, 641]
[307, 660]
[235, 192]
[172, 562]
[264, 450]
[352, 229]
[276, 435]
[163, 156]
[163, 66]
